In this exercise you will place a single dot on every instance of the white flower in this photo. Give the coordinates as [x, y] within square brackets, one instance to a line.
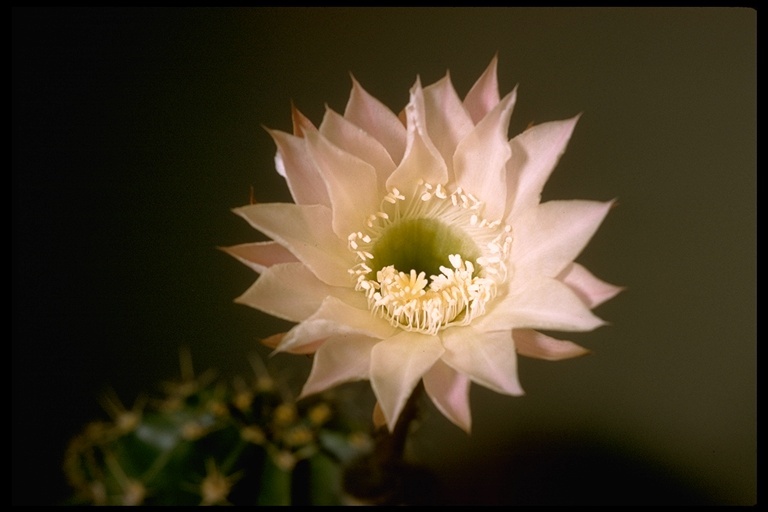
[418, 248]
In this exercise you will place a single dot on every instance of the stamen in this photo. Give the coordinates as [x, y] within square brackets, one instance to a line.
[406, 297]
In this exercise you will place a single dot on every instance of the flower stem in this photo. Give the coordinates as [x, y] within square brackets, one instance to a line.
[382, 477]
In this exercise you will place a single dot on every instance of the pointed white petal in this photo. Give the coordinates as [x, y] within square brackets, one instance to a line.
[484, 95]
[397, 365]
[306, 232]
[342, 358]
[590, 289]
[372, 116]
[335, 316]
[447, 120]
[549, 237]
[449, 391]
[535, 153]
[531, 343]
[351, 183]
[539, 303]
[260, 255]
[422, 161]
[301, 123]
[481, 157]
[288, 291]
[355, 141]
[487, 358]
[293, 163]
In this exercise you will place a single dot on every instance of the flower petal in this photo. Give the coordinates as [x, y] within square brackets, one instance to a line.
[484, 95]
[551, 236]
[355, 141]
[540, 303]
[487, 358]
[422, 161]
[535, 153]
[449, 391]
[288, 291]
[301, 123]
[342, 358]
[335, 316]
[380, 122]
[397, 365]
[531, 343]
[351, 183]
[260, 255]
[447, 120]
[305, 230]
[480, 159]
[294, 164]
[590, 289]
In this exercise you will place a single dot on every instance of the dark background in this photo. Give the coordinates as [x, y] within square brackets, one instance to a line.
[135, 131]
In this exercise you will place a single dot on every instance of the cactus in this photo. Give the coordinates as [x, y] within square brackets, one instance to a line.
[206, 442]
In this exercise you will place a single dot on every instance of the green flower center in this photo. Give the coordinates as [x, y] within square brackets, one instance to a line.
[422, 245]
[429, 261]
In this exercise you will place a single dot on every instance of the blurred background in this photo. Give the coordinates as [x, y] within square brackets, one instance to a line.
[135, 131]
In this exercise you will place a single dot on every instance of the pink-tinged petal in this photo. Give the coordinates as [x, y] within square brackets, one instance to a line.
[397, 365]
[447, 120]
[351, 183]
[293, 163]
[422, 161]
[355, 141]
[481, 157]
[342, 358]
[548, 238]
[260, 255]
[590, 289]
[487, 358]
[336, 316]
[484, 95]
[531, 343]
[449, 391]
[301, 123]
[539, 303]
[376, 119]
[288, 291]
[377, 417]
[306, 232]
[535, 153]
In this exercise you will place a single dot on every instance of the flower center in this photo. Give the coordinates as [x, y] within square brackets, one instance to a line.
[429, 261]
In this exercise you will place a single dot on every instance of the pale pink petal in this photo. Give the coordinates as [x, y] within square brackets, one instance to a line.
[342, 358]
[300, 122]
[487, 358]
[355, 141]
[539, 303]
[351, 184]
[260, 255]
[548, 238]
[339, 317]
[531, 343]
[376, 119]
[449, 391]
[447, 120]
[481, 157]
[535, 152]
[422, 161]
[377, 417]
[288, 291]
[397, 365]
[306, 232]
[590, 289]
[484, 95]
[293, 163]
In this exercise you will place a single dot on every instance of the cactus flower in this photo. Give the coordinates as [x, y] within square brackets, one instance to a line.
[418, 249]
